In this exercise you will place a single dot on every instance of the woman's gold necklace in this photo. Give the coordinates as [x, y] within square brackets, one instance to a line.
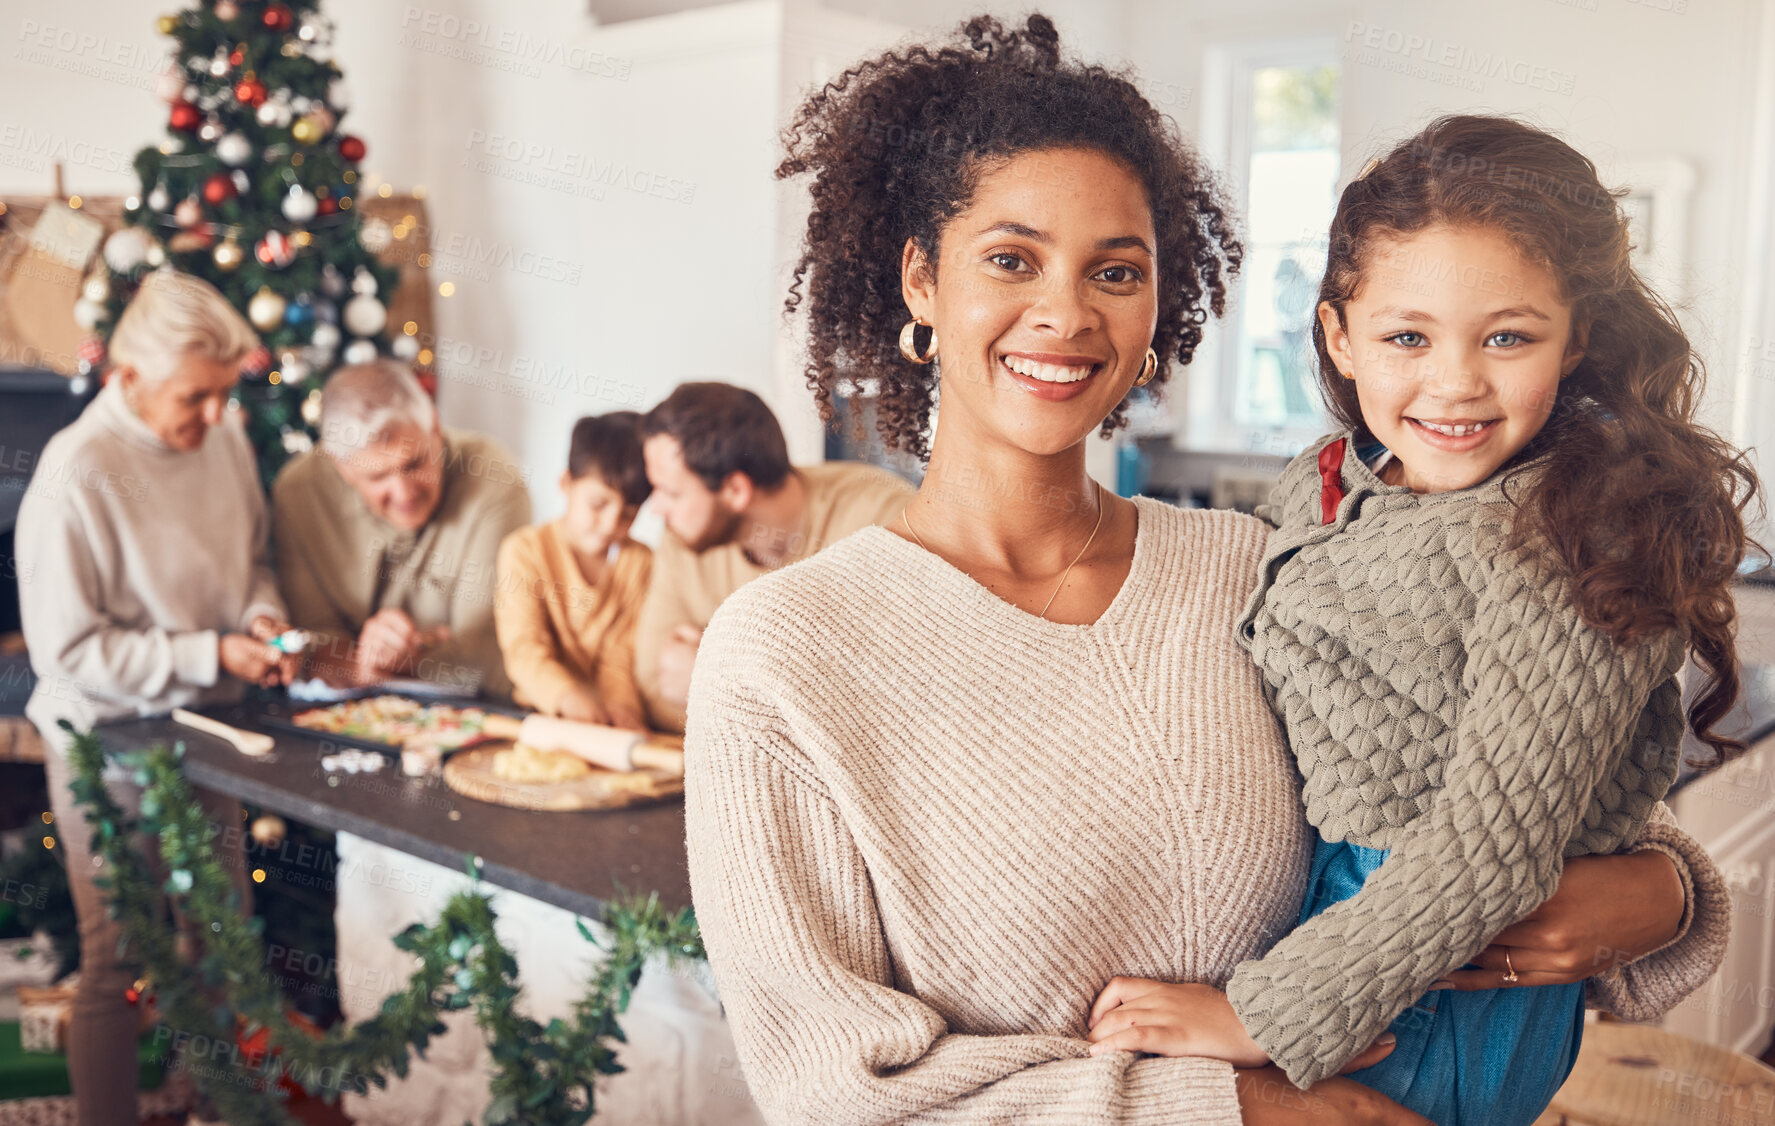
[906, 520]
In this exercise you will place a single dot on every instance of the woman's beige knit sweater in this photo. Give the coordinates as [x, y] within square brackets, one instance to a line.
[926, 828]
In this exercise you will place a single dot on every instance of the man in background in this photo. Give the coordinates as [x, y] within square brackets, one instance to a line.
[734, 508]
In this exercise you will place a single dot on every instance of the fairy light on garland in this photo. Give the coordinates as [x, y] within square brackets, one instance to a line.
[541, 1074]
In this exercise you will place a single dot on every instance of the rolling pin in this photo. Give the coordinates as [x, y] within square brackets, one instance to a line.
[613, 748]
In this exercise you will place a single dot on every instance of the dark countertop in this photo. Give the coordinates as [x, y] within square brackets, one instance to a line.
[576, 861]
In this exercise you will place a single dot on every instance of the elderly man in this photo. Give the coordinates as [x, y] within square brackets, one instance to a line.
[387, 535]
[734, 508]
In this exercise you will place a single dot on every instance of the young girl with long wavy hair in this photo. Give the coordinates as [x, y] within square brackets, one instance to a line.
[1472, 617]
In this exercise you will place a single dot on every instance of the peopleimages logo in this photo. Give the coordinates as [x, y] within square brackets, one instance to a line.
[1453, 59]
[507, 48]
[567, 170]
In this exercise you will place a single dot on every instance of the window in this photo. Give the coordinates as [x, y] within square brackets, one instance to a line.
[1272, 123]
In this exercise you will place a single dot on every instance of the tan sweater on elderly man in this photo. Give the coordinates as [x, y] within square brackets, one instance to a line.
[687, 586]
[338, 563]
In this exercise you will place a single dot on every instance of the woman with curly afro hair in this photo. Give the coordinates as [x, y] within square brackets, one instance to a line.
[950, 779]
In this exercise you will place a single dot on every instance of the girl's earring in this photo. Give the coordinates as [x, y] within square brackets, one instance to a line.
[909, 345]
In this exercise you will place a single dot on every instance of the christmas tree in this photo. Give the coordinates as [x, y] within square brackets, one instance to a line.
[252, 191]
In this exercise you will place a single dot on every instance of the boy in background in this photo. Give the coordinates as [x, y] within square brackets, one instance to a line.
[570, 591]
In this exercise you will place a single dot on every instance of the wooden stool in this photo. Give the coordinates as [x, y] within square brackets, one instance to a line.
[1636, 1075]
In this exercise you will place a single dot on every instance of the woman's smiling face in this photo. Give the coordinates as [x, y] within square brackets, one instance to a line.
[1045, 298]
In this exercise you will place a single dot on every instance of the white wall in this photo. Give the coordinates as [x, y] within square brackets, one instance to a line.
[648, 172]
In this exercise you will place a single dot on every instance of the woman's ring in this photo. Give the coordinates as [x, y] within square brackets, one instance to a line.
[1510, 970]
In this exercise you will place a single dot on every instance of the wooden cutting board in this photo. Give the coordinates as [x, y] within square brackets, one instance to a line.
[470, 773]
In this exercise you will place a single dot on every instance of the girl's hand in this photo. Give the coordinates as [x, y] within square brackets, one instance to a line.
[1267, 1098]
[1135, 1014]
[1608, 910]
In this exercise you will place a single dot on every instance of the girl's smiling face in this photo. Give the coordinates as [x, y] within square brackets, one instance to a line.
[1044, 300]
[1457, 343]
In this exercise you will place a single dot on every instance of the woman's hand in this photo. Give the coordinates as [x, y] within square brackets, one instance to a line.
[266, 628]
[1608, 910]
[1267, 1098]
[247, 659]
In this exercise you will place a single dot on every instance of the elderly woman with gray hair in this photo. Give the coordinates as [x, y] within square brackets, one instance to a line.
[146, 529]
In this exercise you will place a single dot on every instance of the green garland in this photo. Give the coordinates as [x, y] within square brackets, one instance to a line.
[542, 1074]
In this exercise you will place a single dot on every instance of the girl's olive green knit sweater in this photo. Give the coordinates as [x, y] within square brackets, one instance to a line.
[1446, 702]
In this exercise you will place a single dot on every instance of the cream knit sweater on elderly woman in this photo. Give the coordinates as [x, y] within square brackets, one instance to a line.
[926, 828]
[134, 558]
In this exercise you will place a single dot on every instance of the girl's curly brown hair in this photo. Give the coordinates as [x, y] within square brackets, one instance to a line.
[896, 145]
[1641, 505]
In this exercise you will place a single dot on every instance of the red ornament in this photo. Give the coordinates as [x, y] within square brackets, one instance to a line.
[91, 351]
[250, 92]
[238, 55]
[185, 117]
[275, 251]
[219, 188]
[277, 17]
[351, 148]
[328, 206]
[258, 360]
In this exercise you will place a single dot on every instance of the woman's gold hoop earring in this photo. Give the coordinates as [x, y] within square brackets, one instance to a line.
[1148, 368]
[909, 346]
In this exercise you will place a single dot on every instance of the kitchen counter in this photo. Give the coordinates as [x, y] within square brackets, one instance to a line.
[578, 861]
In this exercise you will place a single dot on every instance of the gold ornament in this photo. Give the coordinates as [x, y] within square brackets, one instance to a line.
[266, 309]
[300, 238]
[167, 24]
[268, 831]
[228, 255]
[309, 129]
